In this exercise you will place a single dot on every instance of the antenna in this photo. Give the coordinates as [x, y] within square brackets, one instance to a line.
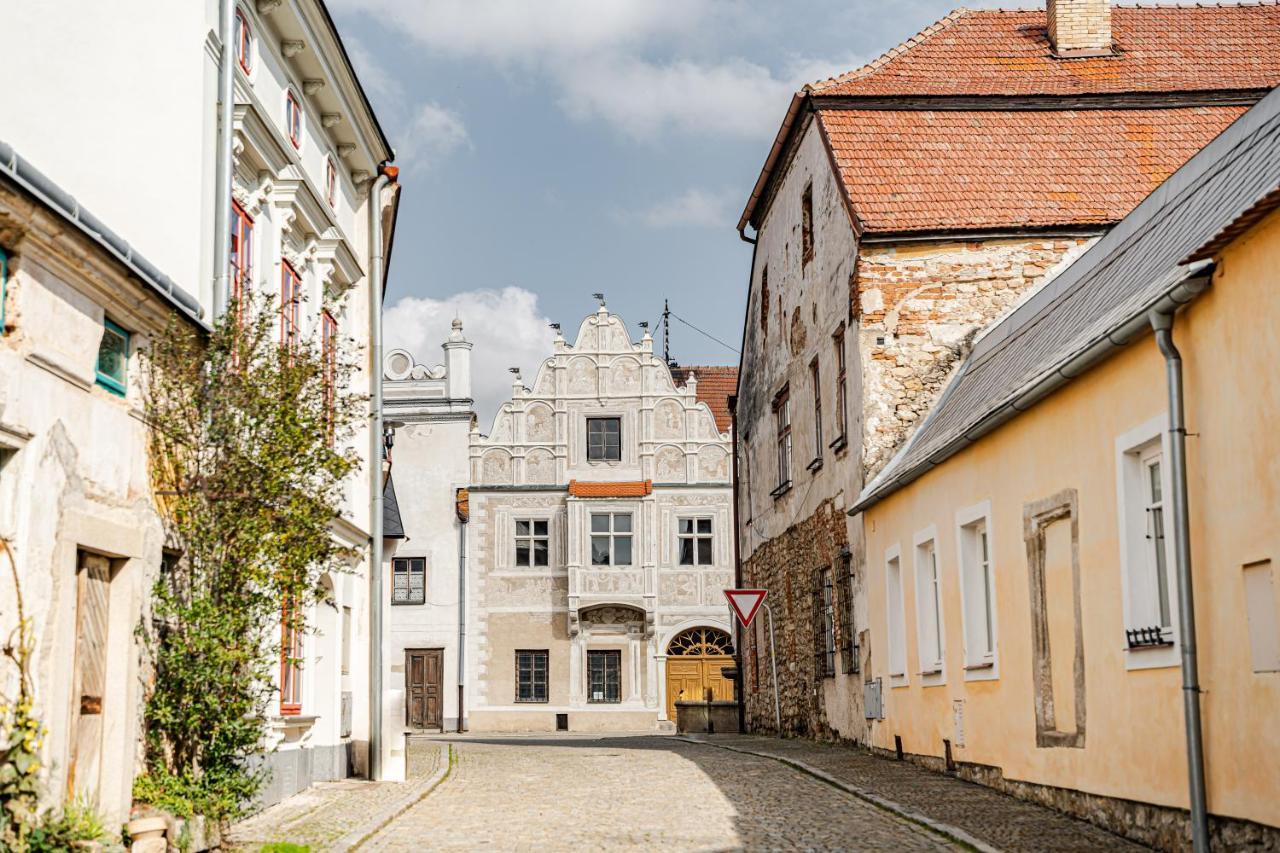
[666, 332]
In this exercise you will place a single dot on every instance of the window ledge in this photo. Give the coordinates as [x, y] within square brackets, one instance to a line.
[815, 464]
[972, 667]
[839, 444]
[407, 603]
[781, 490]
[929, 672]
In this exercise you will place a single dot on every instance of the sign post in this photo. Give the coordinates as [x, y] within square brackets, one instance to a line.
[745, 603]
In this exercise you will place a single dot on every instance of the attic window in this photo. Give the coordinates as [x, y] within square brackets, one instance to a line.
[806, 223]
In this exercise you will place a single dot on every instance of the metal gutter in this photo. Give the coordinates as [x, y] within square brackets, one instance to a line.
[766, 173]
[36, 184]
[462, 623]
[223, 166]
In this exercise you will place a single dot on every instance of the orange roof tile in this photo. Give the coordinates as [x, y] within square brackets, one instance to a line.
[630, 489]
[1006, 52]
[955, 170]
[716, 384]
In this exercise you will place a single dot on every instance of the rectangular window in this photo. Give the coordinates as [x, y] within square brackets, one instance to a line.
[824, 623]
[842, 406]
[113, 358]
[764, 303]
[291, 652]
[782, 422]
[928, 608]
[604, 676]
[604, 439]
[4, 288]
[531, 675]
[533, 542]
[611, 539]
[329, 358]
[977, 592]
[290, 304]
[815, 379]
[845, 629]
[897, 618]
[346, 640]
[409, 580]
[806, 223]
[330, 182]
[241, 257]
[694, 538]
[244, 43]
[293, 119]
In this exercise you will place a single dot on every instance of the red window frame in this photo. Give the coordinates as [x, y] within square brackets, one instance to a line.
[290, 309]
[293, 118]
[244, 42]
[241, 257]
[330, 182]
[290, 663]
[329, 355]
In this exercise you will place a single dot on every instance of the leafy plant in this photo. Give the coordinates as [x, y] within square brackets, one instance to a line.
[248, 458]
[21, 734]
[284, 847]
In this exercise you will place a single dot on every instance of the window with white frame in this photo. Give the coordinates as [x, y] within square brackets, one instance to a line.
[604, 439]
[409, 580]
[694, 538]
[977, 591]
[928, 607]
[1147, 550]
[533, 542]
[610, 538]
[896, 611]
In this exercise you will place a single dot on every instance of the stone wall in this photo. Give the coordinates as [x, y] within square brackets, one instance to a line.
[920, 307]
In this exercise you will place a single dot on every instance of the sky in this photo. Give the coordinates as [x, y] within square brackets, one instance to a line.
[552, 149]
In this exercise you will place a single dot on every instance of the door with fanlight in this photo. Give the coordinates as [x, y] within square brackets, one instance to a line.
[695, 658]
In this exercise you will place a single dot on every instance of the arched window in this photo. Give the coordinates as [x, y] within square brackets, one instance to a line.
[293, 119]
[330, 182]
[701, 642]
[244, 42]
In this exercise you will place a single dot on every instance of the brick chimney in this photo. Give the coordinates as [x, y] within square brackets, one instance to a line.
[1080, 27]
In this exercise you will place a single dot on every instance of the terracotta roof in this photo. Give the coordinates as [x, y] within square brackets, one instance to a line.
[716, 385]
[1006, 52]
[950, 169]
[630, 489]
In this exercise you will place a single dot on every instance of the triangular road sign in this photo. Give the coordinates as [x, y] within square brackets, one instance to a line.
[745, 603]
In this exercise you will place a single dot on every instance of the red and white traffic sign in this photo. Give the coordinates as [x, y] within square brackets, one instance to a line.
[745, 603]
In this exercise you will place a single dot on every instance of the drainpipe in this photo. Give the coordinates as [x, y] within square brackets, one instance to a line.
[386, 174]
[462, 622]
[738, 632]
[222, 169]
[1162, 324]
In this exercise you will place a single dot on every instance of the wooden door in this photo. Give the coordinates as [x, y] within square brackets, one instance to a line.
[93, 579]
[424, 683]
[721, 688]
[684, 682]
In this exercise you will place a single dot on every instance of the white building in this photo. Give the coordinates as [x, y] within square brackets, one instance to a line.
[109, 150]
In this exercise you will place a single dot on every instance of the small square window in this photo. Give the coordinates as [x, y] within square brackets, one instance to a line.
[695, 541]
[604, 439]
[293, 119]
[409, 580]
[531, 675]
[604, 676]
[533, 542]
[113, 358]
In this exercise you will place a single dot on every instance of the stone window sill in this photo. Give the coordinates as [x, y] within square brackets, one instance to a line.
[815, 464]
[781, 490]
[839, 444]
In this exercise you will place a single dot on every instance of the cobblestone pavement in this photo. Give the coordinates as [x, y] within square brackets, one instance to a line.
[637, 793]
[990, 817]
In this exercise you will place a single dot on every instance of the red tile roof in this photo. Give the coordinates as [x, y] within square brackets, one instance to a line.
[949, 169]
[629, 489]
[1006, 52]
[715, 386]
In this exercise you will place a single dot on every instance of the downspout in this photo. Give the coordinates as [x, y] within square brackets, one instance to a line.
[386, 174]
[462, 623]
[1162, 324]
[738, 633]
[223, 169]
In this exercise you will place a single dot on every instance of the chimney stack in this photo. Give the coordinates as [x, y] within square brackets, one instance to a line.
[1080, 27]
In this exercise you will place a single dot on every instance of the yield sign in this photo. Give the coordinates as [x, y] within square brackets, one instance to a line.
[745, 603]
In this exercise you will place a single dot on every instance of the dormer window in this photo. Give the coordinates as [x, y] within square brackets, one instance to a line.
[244, 43]
[330, 182]
[293, 119]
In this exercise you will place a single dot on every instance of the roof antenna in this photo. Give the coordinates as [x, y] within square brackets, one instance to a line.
[666, 332]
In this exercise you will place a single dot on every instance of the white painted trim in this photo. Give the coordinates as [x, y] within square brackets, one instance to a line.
[968, 517]
[896, 679]
[929, 675]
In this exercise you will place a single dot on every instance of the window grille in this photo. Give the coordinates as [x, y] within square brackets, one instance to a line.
[604, 676]
[531, 675]
[409, 580]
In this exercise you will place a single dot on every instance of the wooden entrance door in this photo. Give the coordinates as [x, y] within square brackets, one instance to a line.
[424, 676]
[694, 660]
[93, 579]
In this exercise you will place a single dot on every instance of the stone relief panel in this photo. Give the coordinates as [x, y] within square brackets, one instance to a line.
[663, 385]
[502, 433]
[611, 581]
[678, 588]
[526, 592]
[495, 467]
[713, 465]
[610, 615]
[713, 586]
[582, 376]
[539, 467]
[669, 465]
[539, 423]
[668, 419]
[706, 427]
[546, 385]
[625, 376]
[614, 338]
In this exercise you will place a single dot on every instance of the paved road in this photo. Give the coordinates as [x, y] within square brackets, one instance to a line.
[637, 793]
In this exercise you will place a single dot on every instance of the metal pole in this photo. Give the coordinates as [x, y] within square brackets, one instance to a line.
[375, 473]
[773, 662]
[462, 622]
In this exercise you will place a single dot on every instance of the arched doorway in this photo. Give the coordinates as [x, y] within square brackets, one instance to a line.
[695, 657]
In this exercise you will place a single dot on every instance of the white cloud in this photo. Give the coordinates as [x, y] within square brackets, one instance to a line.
[432, 134]
[505, 325]
[375, 78]
[694, 207]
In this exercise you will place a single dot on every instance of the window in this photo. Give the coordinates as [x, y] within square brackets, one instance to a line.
[409, 580]
[533, 542]
[329, 357]
[604, 676]
[694, 536]
[346, 640]
[842, 405]
[293, 119]
[806, 223]
[824, 623]
[291, 652]
[604, 439]
[241, 257]
[928, 607]
[611, 539]
[1146, 557]
[845, 631]
[531, 676]
[897, 618]
[764, 302]
[290, 297]
[4, 287]
[330, 182]
[113, 358]
[244, 43]
[782, 421]
[815, 378]
[977, 592]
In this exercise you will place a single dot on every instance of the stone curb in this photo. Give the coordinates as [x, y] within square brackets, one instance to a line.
[358, 836]
[953, 832]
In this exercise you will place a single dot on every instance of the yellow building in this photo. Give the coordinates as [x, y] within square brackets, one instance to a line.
[1025, 550]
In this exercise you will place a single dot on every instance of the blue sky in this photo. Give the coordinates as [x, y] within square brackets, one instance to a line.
[554, 148]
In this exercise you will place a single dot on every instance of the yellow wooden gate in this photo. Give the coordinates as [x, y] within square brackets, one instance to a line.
[694, 660]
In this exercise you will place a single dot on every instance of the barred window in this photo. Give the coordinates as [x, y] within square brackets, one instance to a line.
[409, 580]
[531, 675]
[845, 632]
[824, 623]
[604, 676]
